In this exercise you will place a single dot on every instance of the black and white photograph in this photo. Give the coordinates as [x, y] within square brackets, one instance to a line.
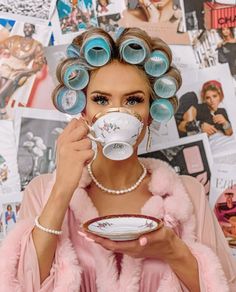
[38, 11]
[37, 132]
[194, 14]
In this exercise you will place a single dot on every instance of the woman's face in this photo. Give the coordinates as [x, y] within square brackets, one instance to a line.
[161, 3]
[226, 32]
[212, 99]
[118, 85]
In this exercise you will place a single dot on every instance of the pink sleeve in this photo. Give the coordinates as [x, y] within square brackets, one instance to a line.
[211, 250]
[19, 269]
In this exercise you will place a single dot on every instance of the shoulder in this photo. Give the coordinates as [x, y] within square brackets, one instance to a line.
[195, 191]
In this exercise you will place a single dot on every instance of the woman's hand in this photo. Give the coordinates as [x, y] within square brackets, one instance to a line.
[209, 129]
[159, 244]
[219, 119]
[154, 14]
[74, 150]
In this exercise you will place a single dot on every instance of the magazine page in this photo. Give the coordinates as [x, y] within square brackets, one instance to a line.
[46, 79]
[9, 176]
[70, 19]
[36, 134]
[223, 200]
[162, 19]
[213, 47]
[35, 11]
[21, 60]
[190, 156]
[207, 104]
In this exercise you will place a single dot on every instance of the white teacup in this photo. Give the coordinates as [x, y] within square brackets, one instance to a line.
[117, 129]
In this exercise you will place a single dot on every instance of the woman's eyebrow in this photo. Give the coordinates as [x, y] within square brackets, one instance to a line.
[109, 94]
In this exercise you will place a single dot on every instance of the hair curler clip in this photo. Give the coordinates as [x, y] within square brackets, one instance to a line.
[168, 84]
[68, 101]
[157, 64]
[97, 51]
[73, 51]
[74, 76]
[163, 109]
[134, 51]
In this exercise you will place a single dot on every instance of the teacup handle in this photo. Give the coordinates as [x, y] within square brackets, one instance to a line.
[90, 136]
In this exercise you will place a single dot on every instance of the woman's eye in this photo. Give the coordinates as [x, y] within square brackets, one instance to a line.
[133, 100]
[100, 99]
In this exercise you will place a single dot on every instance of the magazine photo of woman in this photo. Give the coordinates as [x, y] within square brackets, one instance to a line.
[205, 114]
[164, 15]
[227, 48]
[207, 117]
[225, 210]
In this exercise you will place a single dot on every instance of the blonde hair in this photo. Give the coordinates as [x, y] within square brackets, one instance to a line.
[128, 33]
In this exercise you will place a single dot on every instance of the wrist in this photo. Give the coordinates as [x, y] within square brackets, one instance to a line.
[226, 125]
[178, 251]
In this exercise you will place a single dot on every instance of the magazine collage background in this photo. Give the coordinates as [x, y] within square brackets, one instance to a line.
[33, 40]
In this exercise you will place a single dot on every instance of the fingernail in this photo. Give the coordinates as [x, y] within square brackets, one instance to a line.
[143, 241]
[82, 234]
[89, 239]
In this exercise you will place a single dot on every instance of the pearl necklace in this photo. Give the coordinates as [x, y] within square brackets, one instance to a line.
[117, 192]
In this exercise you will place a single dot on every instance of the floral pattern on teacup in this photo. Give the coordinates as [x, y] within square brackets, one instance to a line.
[108, 127]
[102, 225]
[148, 224]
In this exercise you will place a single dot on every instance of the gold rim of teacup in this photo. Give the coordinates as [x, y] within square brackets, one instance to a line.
[118, 110]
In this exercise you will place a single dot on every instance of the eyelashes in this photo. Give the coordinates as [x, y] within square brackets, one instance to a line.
[131, 100]
[135, 98]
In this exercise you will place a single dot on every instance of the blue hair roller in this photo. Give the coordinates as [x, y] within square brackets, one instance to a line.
[157, 64]
[165, 86]
[162, 110]
[69, 101]
[73, 51]
[134, 51]
[75, 77]
[97, 51]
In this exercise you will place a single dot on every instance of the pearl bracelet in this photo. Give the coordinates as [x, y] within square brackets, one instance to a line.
[56, 232]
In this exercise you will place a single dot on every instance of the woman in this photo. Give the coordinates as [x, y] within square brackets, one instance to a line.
[206, 117]
[213, 118]
[227, 48]
[174, 257]
[162, 18]
[10, 218]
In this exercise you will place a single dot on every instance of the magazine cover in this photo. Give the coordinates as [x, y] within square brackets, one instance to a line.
[190, 156]
[223, 200]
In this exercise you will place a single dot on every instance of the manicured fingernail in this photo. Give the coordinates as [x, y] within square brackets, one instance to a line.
[82, 234]
[89, 239]
[143, 241]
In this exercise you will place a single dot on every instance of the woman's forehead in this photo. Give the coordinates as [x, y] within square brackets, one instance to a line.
[121, 75]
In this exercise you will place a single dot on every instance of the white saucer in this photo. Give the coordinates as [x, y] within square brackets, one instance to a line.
[122, 227]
